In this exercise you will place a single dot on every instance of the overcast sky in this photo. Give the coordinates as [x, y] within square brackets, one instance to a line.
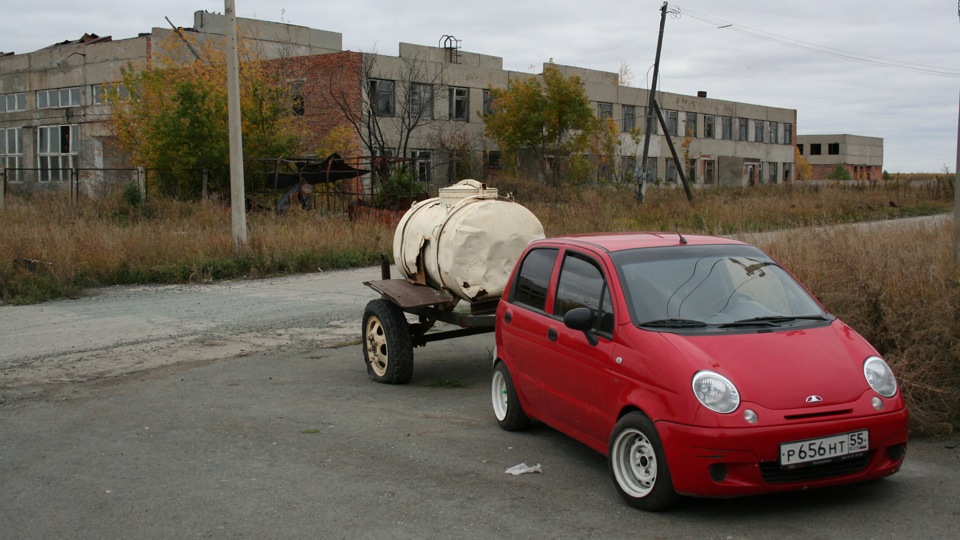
[882, 68]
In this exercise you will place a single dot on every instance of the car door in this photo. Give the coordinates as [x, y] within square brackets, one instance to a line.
[524, 324]
[577, 374]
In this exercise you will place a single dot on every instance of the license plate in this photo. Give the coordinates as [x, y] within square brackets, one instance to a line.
[824, 449]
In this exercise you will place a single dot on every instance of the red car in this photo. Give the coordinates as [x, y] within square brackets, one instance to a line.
[698, 365]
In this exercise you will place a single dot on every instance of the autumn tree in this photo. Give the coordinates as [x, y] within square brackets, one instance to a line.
[172, 115]
[549, 116]
[396, 102]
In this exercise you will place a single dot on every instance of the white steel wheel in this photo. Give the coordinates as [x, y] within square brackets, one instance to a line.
[506, 405]
[638, 465]
[634, 463]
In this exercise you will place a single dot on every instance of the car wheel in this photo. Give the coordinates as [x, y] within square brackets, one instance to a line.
[506, 406]
[638, 465]
[387, 345]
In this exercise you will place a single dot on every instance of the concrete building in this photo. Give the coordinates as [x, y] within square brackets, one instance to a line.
[861, 156]
[52, 119]
[52, 114]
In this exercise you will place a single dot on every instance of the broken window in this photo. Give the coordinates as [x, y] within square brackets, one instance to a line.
[708, 127]
[296, 98]
[726, 124]
[651, 121]
[604, 110]
[758, 131]
[487, 102]
[690, 125]
[709, 171]
[671, 176]
[629, 117]
[11, 152]
[421, 101]
[691, 171]
[772, 172]
[787, 133]
[57, 148]
[672, 122]
[422, 166]
[833, 149]
[460, 104]
[815, 149]
[787, 172]
[381, 97]
[744, 125]
[800, 149]
[774, 129]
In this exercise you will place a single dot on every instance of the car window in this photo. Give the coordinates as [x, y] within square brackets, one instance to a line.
[709, 284]
[581, 284]
[533, 278]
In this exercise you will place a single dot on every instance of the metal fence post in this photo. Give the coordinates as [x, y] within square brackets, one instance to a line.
[3, 185]
[142, 183]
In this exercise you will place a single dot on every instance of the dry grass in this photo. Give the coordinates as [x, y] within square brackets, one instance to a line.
[897, 289]
[108, 242]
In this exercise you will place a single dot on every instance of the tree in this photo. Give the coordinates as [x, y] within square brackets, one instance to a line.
[838, 173]
[549, 116]
[392, 107]
[173, 115]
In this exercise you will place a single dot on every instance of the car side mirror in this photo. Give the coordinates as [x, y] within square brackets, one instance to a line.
[583, 319]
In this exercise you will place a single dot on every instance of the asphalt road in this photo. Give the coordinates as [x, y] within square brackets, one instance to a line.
[279, 433]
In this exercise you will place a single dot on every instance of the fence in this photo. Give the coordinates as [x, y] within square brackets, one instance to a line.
[366, 181]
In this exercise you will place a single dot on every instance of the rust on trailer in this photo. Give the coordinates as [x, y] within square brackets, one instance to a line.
[410, 295]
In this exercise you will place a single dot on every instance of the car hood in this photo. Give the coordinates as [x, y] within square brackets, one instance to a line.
[780, 370]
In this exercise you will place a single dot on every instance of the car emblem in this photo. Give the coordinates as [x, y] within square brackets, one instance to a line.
[814, 399]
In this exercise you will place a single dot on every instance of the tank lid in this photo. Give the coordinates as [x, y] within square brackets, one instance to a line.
[466, 188]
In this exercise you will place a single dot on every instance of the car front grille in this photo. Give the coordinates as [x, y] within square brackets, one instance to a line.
[774, 474]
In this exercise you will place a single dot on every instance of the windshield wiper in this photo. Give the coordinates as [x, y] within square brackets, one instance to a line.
[674, 323]
[772, 320]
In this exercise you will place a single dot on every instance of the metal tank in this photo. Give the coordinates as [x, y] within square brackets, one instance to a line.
[465, 241]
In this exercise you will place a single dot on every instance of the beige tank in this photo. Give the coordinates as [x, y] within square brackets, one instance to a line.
[465, 241]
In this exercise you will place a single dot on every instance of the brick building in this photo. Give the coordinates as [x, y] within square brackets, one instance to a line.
[862, 157]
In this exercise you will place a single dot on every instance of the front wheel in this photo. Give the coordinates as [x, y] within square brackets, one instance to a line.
[638, 465]
[506, 406]
[387, 344]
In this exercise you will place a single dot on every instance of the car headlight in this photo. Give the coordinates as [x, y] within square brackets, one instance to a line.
[716, 392]
[880, 376]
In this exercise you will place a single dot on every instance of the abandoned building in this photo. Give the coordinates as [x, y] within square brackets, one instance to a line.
[861, 157]
[53, 129]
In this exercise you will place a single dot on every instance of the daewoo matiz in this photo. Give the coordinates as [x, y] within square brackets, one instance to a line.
[698, 365]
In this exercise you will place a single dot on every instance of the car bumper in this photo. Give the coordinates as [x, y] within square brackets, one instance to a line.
[725, 462]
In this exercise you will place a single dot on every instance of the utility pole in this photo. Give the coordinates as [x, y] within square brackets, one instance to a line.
[648, 117]
[238, 211]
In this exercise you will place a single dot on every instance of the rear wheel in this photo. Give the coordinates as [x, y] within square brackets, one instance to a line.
[638, 465]
[506, 406]
[387, 345]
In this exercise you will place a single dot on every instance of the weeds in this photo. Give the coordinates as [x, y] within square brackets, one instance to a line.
[900, 290]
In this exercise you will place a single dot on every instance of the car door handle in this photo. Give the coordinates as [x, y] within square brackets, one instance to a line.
[507, 317]
[552, 334]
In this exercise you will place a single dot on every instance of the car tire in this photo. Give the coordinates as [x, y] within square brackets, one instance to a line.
[387, 344]
[506, 405]
[638, 465]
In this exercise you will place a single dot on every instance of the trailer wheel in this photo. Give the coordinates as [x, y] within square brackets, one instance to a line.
[387, 344]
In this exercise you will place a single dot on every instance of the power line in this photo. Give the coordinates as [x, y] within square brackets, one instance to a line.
[820, 49]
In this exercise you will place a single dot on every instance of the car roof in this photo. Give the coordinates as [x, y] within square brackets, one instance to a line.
[611, 242]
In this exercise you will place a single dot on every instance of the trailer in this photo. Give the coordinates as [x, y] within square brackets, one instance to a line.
[389, 339]
[454, 250]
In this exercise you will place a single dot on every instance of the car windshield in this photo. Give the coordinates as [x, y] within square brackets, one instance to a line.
[688, 287]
